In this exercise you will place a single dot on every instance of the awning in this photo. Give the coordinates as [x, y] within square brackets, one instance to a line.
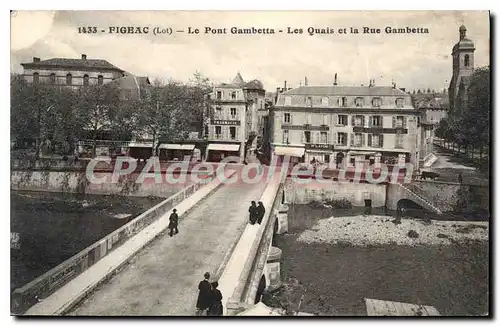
[183, 147]
[224, 147]
[289, 151]
[362, 153]
[142, 145]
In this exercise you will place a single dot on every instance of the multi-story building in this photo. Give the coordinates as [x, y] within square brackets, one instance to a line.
[71, 72]
[346, 126]
[233, 118]
[463, 66]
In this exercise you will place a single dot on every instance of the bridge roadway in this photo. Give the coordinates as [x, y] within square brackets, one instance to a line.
[163, 278]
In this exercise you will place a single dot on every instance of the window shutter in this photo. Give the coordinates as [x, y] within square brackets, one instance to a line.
[325, 119]
[335, 119]
[363, 120]
[339, 101]
[302, 137]
[394, 122]
[362, 140]
[336, 139]
[353, 120]
[404, 122]
[369, 140]
[370, 121]
[381, 140]
[352, 139]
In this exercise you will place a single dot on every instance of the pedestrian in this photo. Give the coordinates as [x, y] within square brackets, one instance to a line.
[174, 221]
[460, 178]
[204, 296]
[253, 213]
[216, 301]
[261, 211]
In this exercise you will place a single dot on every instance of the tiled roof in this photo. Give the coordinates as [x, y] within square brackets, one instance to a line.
[254, 84]
[238, 80]
[81, 63]
[225, 85]
[346, 90]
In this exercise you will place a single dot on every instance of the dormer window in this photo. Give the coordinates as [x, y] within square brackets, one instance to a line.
[377, 102]
[100, 80]
[324, 101]
[85, 80]
[288, 100]
[359, 102]
[400, 102]
[233, 95]
[52, 78]
[36, 78]
[309, 101]
[343, 101]
[69, 79]
[219, 95]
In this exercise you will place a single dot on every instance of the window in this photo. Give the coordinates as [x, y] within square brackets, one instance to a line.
[288, 100]
[342, 120]
[324, 101]
[375, 140]
[377, 102]
[52, 78]
[100, 80]
[233, 113]
[309, 101]
[399, 140]
[325, 120]
[358, 121]
[399, 122]
[206, 130]
[376, 121]
[232, 132]
[36, 78]
[342, 138]
[285, 136]
[343, 101]
[353, 160]
[400, 102]
[327, 158]
[308, 118]
[85, 80]
[358, 139]
[324, 138]
[218, 112]
[219, 95]
[69, 79]
[466, 60]
[359, 102]
[307, 136]
[287, 117]
[218, 131]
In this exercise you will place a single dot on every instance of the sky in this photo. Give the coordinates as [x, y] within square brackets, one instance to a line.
[412, 61]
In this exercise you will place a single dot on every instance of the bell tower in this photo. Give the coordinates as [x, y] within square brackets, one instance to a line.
[463, 63]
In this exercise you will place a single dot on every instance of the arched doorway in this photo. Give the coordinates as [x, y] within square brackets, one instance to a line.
[260, 289]
[339, 159]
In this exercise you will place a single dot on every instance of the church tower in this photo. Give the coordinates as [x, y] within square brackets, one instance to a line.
[463, 65]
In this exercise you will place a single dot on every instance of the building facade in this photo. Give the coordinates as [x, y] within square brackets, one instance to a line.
[346, 126]
[71, 72]
[233, 118]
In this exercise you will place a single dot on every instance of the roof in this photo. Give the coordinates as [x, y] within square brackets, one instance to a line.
[80, 63]
[238, 80]
[464, 44]
[225, 85]
[132, 82]
[346, 90]
[432, 101]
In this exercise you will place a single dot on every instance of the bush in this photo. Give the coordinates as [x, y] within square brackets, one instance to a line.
[412, 234]
[340, 203]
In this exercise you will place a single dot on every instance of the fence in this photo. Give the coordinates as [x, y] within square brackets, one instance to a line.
[28, 295]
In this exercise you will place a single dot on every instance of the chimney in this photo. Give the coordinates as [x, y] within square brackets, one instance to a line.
[285, 86]
[84, 57]
[403, 89]
[305, 81]
[35, 59]
[335, 80]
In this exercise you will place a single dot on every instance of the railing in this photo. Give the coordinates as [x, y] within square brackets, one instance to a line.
[421, 200]
[29, 294]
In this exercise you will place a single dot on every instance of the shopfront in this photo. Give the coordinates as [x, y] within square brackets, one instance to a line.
[216, 152]
[295, 153]
[364, 159]
[319, 153]
[175, 152]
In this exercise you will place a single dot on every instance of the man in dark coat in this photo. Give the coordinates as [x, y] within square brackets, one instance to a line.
[174, 221]
[253, 213]
[216, 308]
[261, 211]
[204, 296]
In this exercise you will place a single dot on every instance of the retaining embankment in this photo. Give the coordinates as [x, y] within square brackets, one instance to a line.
[64, 286]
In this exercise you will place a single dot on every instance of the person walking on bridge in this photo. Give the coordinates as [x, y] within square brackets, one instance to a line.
[253, 213]
[261, 211]
[174, 221]
[204, 296]
[215, 308]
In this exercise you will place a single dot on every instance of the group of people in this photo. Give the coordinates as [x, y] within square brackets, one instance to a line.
[209, 301]
[256, 212]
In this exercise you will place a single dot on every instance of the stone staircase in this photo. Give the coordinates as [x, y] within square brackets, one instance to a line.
[416, 194]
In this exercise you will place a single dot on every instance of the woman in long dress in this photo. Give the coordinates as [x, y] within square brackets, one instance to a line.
[216, 304]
